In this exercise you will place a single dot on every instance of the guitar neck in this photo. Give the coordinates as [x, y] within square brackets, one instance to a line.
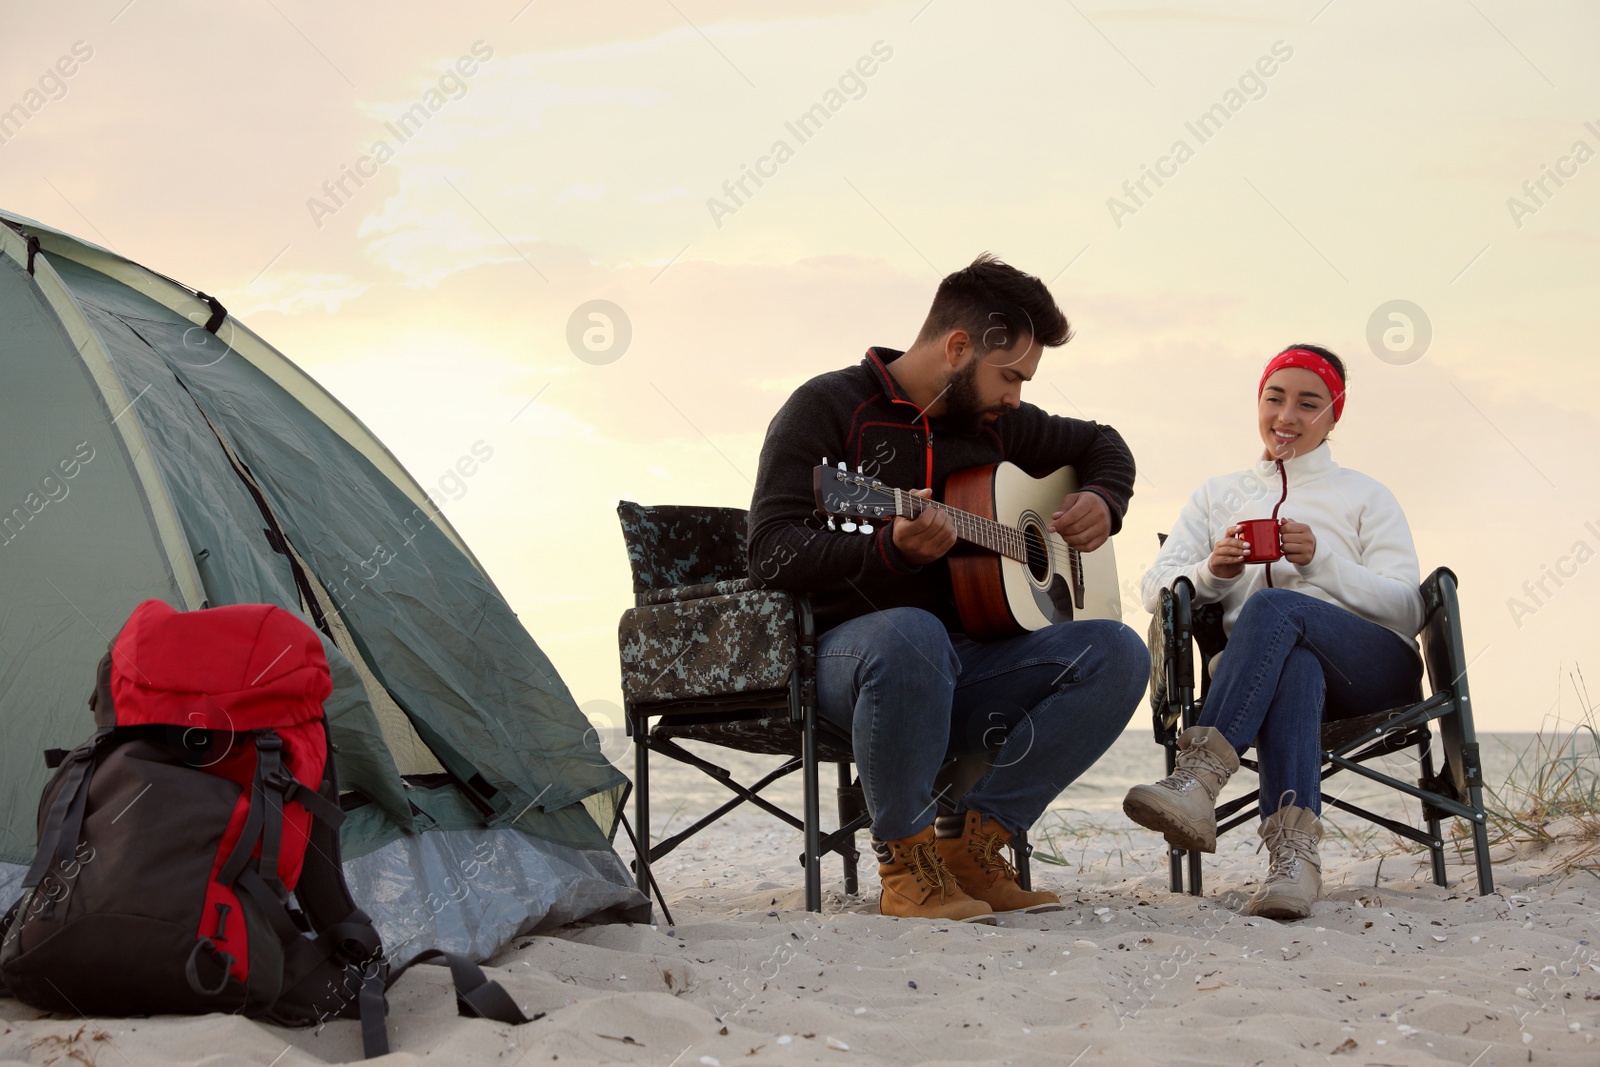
[996, 536]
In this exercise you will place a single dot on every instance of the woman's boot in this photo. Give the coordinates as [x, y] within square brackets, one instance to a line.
[1182, 806]
[1294, 878]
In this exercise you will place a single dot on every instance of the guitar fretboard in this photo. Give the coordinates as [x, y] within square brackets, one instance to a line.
[863, 501]
[996, 536]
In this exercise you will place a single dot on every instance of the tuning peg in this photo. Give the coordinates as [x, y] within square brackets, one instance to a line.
[843, 467]
[848, 525]
[824, 461]
[865, 527]
[831, 526]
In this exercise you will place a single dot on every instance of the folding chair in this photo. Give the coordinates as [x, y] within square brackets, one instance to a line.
[1348, 744]
[714, 660]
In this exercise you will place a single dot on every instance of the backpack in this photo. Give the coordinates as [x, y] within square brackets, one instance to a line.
[188, 856]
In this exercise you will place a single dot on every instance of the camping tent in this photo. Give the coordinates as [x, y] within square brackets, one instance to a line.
[155, 447]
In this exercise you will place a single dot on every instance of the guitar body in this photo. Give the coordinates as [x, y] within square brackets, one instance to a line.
[997, 596]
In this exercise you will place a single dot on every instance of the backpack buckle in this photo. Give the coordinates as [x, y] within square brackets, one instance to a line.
[281, 781]
[351, 952]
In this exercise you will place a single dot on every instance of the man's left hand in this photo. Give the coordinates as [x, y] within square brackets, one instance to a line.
[1084, 520]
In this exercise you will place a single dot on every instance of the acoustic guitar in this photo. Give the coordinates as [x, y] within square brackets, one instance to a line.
[1009, 571]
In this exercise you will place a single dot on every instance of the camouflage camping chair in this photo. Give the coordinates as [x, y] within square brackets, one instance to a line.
[1180, 626]
[713, 659]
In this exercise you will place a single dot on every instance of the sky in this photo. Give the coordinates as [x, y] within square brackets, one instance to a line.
[418, 204]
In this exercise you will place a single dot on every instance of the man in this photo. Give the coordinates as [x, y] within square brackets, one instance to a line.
[894, 670]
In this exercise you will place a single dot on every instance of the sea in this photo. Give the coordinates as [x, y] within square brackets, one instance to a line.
[1085, 827]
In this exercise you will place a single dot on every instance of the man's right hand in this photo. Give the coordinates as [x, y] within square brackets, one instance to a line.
[926, 537]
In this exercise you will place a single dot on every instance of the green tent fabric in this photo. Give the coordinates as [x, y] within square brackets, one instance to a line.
[155, 447]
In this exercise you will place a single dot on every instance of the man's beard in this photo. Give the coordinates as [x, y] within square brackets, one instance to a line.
[962, 407]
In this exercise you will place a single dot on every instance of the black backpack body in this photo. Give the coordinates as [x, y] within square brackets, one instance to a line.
[188, 856]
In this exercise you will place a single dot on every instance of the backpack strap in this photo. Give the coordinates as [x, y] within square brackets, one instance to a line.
[346, 942]
[251, 833]
[322, 892]
[58, 836]
[270, 930]
[269, 789]
[272, 788]
[476, 997]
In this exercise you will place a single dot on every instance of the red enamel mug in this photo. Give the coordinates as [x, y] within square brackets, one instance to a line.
[1263, 538]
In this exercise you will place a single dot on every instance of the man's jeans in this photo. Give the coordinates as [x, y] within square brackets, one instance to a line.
[1293, 661]
[908, 693]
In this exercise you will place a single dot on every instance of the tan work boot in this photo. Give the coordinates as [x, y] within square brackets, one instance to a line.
[1294, 877]
[970, 846]
[917, 885]
[1182, 806]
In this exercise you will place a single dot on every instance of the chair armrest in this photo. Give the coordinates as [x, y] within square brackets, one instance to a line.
[1171, 641]
[673, 593]
[745, 641]
[1444, 653]
[1183, 630]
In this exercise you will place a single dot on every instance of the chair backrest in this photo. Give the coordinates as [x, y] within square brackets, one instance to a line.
[680, 544]
[1206, 620]
[1446, 658]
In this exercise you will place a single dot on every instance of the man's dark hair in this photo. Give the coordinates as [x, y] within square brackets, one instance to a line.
[1338, 364]
[996, 304]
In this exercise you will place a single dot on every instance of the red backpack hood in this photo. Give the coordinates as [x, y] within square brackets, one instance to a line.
[240, 667]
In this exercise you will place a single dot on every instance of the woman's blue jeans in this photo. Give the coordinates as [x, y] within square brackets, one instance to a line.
[1293, 661]
[910, 694]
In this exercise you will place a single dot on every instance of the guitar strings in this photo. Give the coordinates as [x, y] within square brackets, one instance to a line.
[1059, 552]
[1018, 537]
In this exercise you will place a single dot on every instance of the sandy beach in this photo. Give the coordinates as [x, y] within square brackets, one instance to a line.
[1390, 969]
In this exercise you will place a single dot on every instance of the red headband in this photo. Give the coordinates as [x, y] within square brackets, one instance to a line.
[1316, 364]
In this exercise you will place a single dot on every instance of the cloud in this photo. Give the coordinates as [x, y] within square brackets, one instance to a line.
[581, 191]
[661, 196]
[1173, 14]
[294, 293]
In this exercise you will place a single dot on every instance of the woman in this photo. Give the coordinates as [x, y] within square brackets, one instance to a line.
[1325, 632]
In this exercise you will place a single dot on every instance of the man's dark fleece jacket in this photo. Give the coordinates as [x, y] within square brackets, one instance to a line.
[861, 415]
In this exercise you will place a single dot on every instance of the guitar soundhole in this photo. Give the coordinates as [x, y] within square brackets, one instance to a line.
[1038, 553]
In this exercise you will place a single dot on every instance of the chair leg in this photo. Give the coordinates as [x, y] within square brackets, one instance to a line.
[847, 814]
[1436, 838]
[1195, 888]
[1174, 855]
[1024, 857]
[813, 813]
[641, 799]
[1480, 842]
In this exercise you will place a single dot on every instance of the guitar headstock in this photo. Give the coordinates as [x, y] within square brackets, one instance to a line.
[855, 497]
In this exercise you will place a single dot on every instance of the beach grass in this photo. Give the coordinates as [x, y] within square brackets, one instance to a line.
[1072, 838]
[1552, 794]
[1548, 799]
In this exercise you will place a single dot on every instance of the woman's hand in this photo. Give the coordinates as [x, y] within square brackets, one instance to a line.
[1227, 557]
[1299, 543]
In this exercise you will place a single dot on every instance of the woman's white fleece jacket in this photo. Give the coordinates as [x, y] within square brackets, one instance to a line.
[1365, 561]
